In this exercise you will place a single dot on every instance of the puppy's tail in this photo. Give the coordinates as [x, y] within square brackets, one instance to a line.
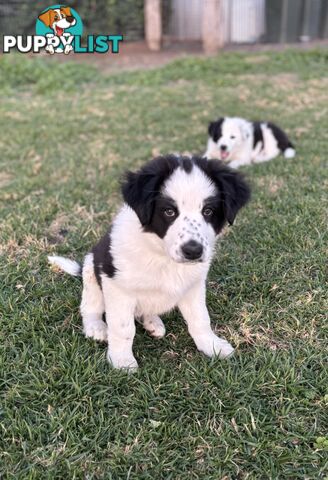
[290, 152]
[67, 265]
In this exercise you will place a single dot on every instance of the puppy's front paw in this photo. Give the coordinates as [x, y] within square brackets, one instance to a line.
[96, 330]
[122, 361]
[212, 346]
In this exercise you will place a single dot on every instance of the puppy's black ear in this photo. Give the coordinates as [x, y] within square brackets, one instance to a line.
[211, 129]
[136, 195]
[214, 129]
[235, 193]
[140, 189]
[233, 190]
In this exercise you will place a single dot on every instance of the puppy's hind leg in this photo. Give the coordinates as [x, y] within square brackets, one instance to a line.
[92, 304]
[153, 325]
[120, 309]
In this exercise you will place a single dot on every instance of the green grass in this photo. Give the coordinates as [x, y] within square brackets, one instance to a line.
[67, 135]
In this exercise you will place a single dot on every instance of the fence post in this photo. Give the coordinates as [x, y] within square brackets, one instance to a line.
[324, 21]
[153, 24]
[284, 21]
[212, 26]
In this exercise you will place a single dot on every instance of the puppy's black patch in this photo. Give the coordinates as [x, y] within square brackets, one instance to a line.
[160, 223]
[103, 259]
[141, 189]
[233, 191]
[217, 219]
[258, 134]
[215, 129]
[281, 137]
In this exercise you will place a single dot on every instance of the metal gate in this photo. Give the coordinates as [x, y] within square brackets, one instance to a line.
[243, 20]
[251, 21]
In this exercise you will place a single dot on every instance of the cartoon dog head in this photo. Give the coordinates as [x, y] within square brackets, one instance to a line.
[58, 19]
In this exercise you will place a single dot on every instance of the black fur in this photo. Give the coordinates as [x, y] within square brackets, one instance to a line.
[281, 137]
[215, 129]
[186, 163]
[233, 194]
[141, 191]
[258, 134]
[160, 223]
[103, 259]
[217, 220]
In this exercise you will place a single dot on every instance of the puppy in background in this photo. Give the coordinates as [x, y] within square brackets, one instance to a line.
[157, 254]
[238, 142]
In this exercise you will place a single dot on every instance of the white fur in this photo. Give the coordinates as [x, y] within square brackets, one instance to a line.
[69, 266]
[190, 225]
[237, 136]
[152, 277]
[92, 305]
[154, 326]
[289, 153]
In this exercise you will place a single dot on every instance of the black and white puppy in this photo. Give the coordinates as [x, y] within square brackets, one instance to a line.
[157, 254]
[240, 142]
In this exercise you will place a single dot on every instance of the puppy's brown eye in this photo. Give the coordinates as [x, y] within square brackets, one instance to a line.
[232, 137]
[207, 212]
[170, 212]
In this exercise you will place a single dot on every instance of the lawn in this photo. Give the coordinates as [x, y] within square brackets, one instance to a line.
[68, 132]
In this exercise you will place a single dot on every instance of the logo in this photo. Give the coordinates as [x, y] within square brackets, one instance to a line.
[59, 29]
[59, 25]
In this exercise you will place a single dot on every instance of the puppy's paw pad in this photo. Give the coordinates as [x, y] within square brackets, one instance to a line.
[97, 331]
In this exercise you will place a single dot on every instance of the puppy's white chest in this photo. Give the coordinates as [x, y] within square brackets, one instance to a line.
[161, 290]
[155, 302]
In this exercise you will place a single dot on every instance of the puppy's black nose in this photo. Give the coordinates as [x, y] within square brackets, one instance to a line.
[223, 148]
[192, 250]
[70, 19]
